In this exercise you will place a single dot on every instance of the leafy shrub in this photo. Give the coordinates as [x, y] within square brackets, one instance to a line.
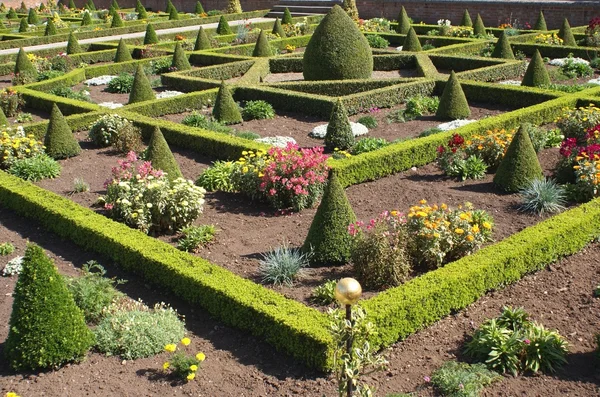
[368, 121]
[68, 92]
[420, 105]
[283, 265]
[14, 146]
[128, 139]
[105, 131]
[50, 74]
[11, 101]
[80, 186]
[368, 144]
[196, 119]
[575, 122]
[160, 66]
[193, 237]
[137, 333]
[456, 379]
[258, 110]
[543, 196]
[376, 41]
[182, 365]
[324, 294]
[6, 249]
[24, 118]
[35, 168]
[217, 177]
[121, 84]
[573, 69]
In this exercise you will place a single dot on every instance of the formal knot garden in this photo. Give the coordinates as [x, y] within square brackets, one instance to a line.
[234, 168]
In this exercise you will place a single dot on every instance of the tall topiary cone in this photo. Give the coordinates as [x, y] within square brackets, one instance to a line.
[161, 157]
[115, 5]
[466, 19]
[72, 5]
[11, 14]
[453, 103]
[90, 5]
[50, 28]
[479, 27]
[173, 14]
[150, 37]
[520, 164]
[169, 6]
[262, 48]
[540, 24]
[141, 10]
[23, 64]
[202, 40]
[122, 54]
[337, 50]
[23, 25]
[117, 22]
[46, 328]
[411, 42]
[328, 238]
[536, 74]
[3, 119]
[233, 7]
[180, 61]
[226, 110]
[278, 28]
[32, 17]
[566, 34]
[59, 141]
[350, 7]
[86, 19]
[223, 27]
[502, 48]
[403, 22]
[73, 46]
[339, 131]
[287, 17]
[141, 90]
[199, 9]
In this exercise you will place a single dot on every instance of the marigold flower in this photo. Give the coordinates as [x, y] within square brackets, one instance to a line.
[423, 201]
[166, 365]
[470, 238]
[458, 230]
[171, 347]
[191, 376]
[200, 356]
[185, 341]
[193, 368]
[486, 225]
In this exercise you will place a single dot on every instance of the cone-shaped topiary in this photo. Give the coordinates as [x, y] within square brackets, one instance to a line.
[72, 5]
[328, 238]
[520, 164]
[278, 29]
[233, 7]
[337, 50]
[122, 54]
[23, 25]
[540, 24]
[199, 9]
[86, 19]
[403, 22]
[262, 48]
[287, 17]
[180, 60]
[566, 34]
[50, 28]
[62, 9]
[150, 37]
[90, 5]
[169, 6]
[59, 141]
[536, 74]
[32, 17]
[173, 14]
[115, 5]
[46, 328]
[226, 110]
[12, 14]
[141, 10]
[141, 90]
[117, 22]
[223, 27]
[453, 103]
[161, 157]
[3, 119]
[339, 131]
[479, 27]
[502, 48]
[411, 42]
[23, 64]
[466, 19]
[350, 7]
[73, 46]
[202, 40]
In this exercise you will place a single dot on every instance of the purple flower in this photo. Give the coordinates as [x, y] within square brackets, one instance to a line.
[527, 341]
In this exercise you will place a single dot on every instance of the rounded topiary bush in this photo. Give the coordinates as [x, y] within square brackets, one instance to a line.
[466, 19]
[536, 74]
[502, 48]
[46, 328]
[161, 157]
[540, 23]
[122, 54]
[262, 48]
[403, 25]
[202, 40]
[226, 110]
[59, 141]
[223, 27]
[180, 61]
[337, 50]
[339, 131]
[141, 90]
[150, 37]
[411, 43]
[566, 34]
[73, 46]
[453, 103]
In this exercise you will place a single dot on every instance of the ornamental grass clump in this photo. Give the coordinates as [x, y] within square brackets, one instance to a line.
[453, 103]
[283, 265]
[180, 60]
[182, 364]
[160, 156]
[543, 196]
[59, 140]
[339, 131]
[458, 379]
[226, 110]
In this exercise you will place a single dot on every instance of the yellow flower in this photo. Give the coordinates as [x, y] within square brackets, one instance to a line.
[463, 216]
[171, 347]
[423, 201]
[470, 238]
[166, 365]
[458, 230]
[394, 213]
[193, 368]
[421, 214]
[244, 169]
[185, 341]
[200, 356]
[12, 394]
[487, 225]
[191, 376]
[475, 228]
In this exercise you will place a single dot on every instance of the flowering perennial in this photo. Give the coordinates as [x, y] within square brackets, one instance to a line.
[15, 145]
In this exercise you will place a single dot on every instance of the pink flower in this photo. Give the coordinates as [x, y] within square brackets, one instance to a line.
[527, 341]
[427, 379]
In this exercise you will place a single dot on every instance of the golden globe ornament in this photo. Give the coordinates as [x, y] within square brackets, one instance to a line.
[348, 291]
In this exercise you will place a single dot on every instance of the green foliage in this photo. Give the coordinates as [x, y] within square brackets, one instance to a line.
[258, 110]
[173, 14]
[376, 41]
[337, 50]
[73, 46]
[141, 89]
[223, 27]
[160, 155]
[122, 84]
[520, 164]
[32, 17]
[122, 54]
[419, 105]
[23, 65]
[368, 144]
[141, 10]
[105, 130]
[543, 196]
[502, 48]
[169, 6]
[339, 131]
[536, 74]
[11, 14]
[540, 23]
[50, 28]
[217, 177]
[368, 121]
[574, 69]
[6, 249]
[116, 22]
[479, 27]
[46, 328]
[194, 237]
[566, 35]
[466, 19]
[35, 168]
[198, 120]
[128, 139]
[86, 20]
[202, 40]
[283, 265]
[453, 103]
[199, 9]
[411, 43]
[59, 140]
[278, 29]
[403, 22]
[226, 110]
[324, 294]
[328, 239]
[3, 119]
[180, 60]
[454, 379]
[287, 17]
[115, 5]
[23, 26]
[262, 48]
[68, 92]
[150, 37]
[233, 7]
[90, 5]
[80, 186]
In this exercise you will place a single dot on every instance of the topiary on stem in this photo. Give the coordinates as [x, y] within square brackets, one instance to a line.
[520, 164]
[59, 140]
[122, 54]
[50, 28]
[479, 27]
[262, 48]
[116, 22]
[403, 22]
[278, 29]
[287, 17]
[160, 155]
[536, 74]
[566, 34]
[233, 7]
[150, 37]
[339, 131]
[453, 103]
[540, 23]
[223, 27]
[226, 110]
[46, 328]
[502, 48]
[180, 60]
[466, 19]
[73, 46]
[202, 40]
[328, 239]
[411, 42]
[141, 89]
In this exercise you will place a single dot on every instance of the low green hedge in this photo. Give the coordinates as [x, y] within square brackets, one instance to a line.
[257, 72]
[472, 48]
[203, 58]
[178, 104]
[219, 72]
[77, 122]
[387, 96]
[43, 101]
[426, 68]
[285, 100]
[557, 51]
[285, 65]
[462, 63]
[69, 79]
[394, 62]
[502, 71]
[336, 88]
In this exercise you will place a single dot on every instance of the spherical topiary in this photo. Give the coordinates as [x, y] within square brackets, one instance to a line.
[403, 22]
[540, 24]
[59, 141]
[180, 60]
[536, 74]
[116, 22]
[86, 19]
[3, 119]
[46, 328]
[226, 110]
[23, 64]
[337, 50]
[150, 37]
[173, 14]
[411, 42]
[520, 164]
[453, 103]
[328, 238]
[502, 48]
[199, 9]
[262, 48]
[161, 156]
[287, 17]
[73, 46]
[122, 54]
[466, 19]
[50, 28]
[233, 7]
[32, 17]
[479, 27]
[23, 25]
[141, 90]
[278, 29]
[339, 131]
[202, 40]
[566, 34]
[223, 27]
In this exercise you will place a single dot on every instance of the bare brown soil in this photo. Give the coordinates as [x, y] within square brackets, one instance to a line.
[36, 116]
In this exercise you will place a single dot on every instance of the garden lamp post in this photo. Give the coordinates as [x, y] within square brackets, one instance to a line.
[348, 292]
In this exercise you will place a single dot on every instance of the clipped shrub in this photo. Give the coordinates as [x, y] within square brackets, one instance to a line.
[403, 22]
[479, 27]
[287, 17]
[50, 28]
[23, 26]
[72, 5]
[226, 110]
[11, 14]
[160, 155]
[411, 43]
[24, 67]
[116, 22]
[115, 5]
[32, 17]
[122, 54]
[86, 19]
[453, 103]
[46, 328]
[520, 164]
[73, 46]
[169, 6]
[262, 48]
[150, 37]
[3, 119]
[324, 294]
[223, 27]
[180, 60]
[258, 110]
[328, 239]
[173, 14]
[540, 23]
[199, 9]
[141, 90]
[502, 48]
[59, 141]
[536, 74]
[566, 35]
[278, 29]
[202, 40]
[35, 168]
[282, 265]
[233, 7]
[339, 131]
[337, 50]
[350, 7]
[141, 10]
[466, 19]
